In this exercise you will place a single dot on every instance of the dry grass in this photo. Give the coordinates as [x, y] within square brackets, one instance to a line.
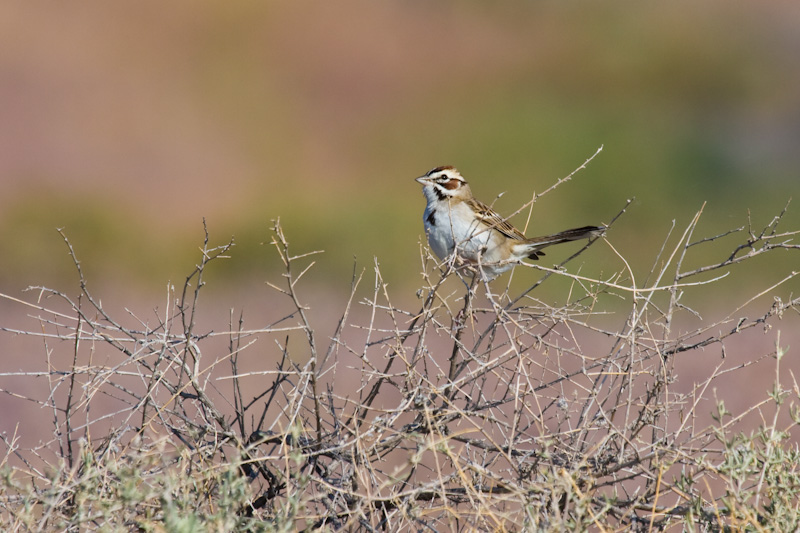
[480, 410]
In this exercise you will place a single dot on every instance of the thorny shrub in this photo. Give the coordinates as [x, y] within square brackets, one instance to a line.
[480, 410]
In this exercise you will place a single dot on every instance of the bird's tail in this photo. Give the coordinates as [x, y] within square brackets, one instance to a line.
[531, 248]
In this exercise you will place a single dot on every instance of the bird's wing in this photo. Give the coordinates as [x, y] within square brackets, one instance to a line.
[489, 217]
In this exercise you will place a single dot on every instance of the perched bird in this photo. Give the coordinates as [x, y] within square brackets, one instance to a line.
[456, 221]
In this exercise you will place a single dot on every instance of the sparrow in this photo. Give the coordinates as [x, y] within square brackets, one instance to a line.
[456, 222]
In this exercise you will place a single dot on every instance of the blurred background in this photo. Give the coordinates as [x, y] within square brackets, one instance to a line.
[128, 123]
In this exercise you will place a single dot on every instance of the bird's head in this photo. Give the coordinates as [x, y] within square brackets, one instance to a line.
[443, 183]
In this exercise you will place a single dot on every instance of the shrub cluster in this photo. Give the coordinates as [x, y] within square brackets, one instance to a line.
[481, 409]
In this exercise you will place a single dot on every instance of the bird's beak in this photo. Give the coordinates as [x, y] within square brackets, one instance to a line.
[423, 180]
